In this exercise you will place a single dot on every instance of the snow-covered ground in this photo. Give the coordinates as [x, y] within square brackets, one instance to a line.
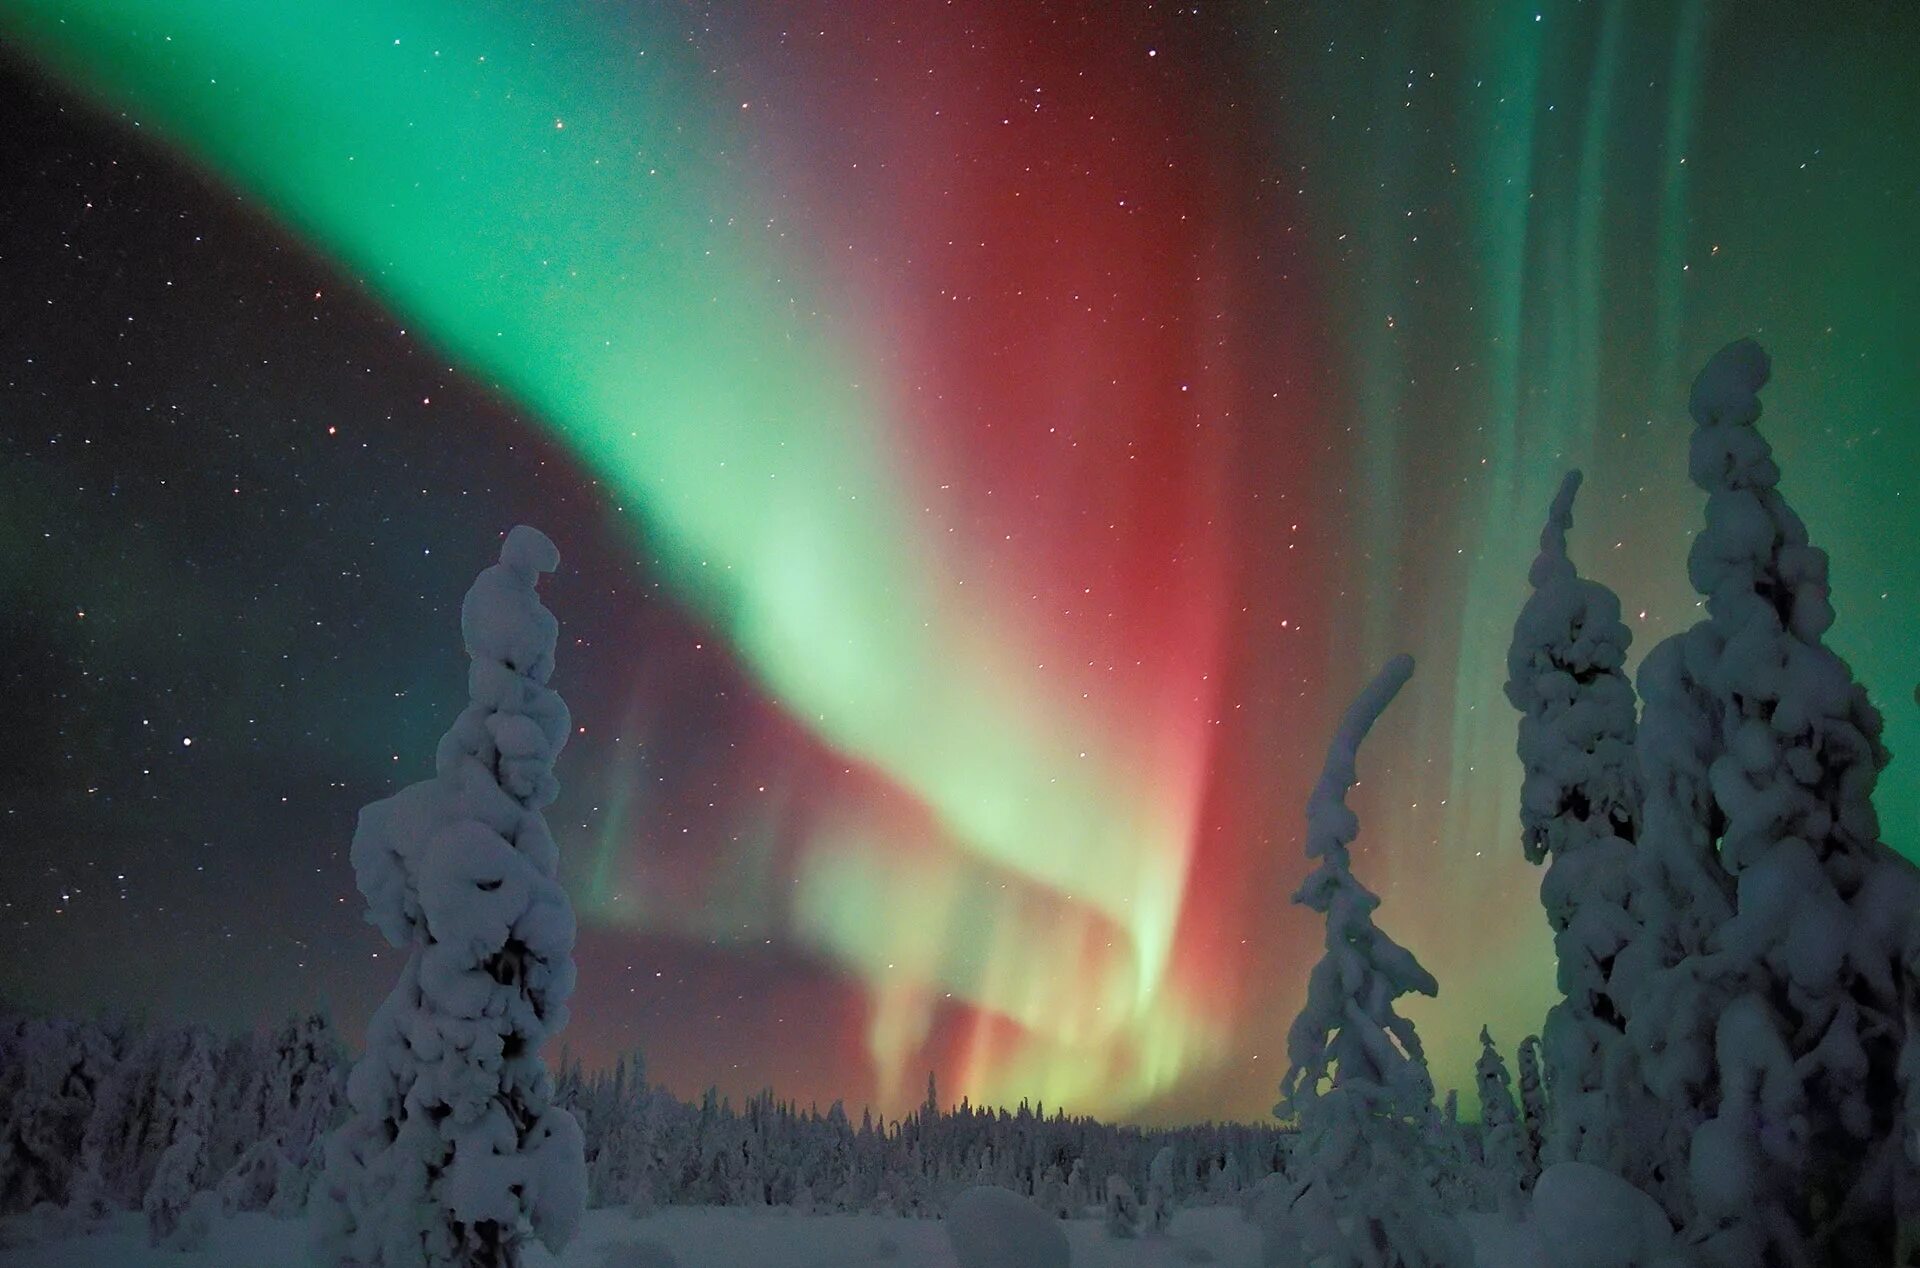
[725, 1237]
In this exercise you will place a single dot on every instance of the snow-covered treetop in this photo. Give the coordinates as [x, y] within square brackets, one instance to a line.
[1331, 826]
[1566, 676]
[494, 765]
[1552, 565]
[1755, 547]
[1794, 704]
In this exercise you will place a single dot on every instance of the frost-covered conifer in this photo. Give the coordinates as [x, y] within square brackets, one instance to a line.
[182, 1169]
[253, 1182]
[239, 1110]
[1050, 1193]
[172, 1188]
[1450, 1168]
[1533, 1109]
[454, 1152]
[1502, 1143]
[1079, 1187]
[1580, 812]
[1361, 1134]
[1157, 1212]
[57, 1066]
[1233, 1176]
[1123, 1208]
[128, 1128]
[195, 1090]
[304, 1086]
[1777, 1026]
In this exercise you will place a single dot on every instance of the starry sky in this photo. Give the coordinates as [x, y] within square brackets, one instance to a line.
[987, 443]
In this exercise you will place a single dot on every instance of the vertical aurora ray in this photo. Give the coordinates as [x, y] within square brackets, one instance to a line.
[1683, 77]
[1050, 414]
[1584, 247]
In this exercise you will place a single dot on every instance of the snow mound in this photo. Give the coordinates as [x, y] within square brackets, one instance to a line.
[642, 1254]
[997, 1228]
[1589, 1218]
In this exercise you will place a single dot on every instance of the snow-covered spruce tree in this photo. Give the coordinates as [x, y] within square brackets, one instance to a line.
[168, 1198]
[129, 1126]
[1451, 1169]
[303, 1085]
[1580, 812]
[1502, 1143]
[1157, 1212]
[182, 1169]
[1533, 1109]
[1079, 1187]
[1359, 1193]
[294, 1094]
[1779, 1029]
[454, 1152]
[55, 1068]
[239, 1109]
[1123, 1208]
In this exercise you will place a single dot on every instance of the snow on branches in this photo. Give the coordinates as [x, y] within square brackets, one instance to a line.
[454, 1152]
[1358, 1179]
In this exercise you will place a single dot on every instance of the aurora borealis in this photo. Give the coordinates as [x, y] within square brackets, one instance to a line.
[989, 443]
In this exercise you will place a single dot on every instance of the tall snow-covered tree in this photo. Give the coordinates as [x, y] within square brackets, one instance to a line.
[1123, 1208]
[182, 1169]
[295, 1087]
[169, 1198]
[57, 1068]
[1580, 812]
[1502, 1143]
[1357, 1079]
[1157, 1211]
[1777, 1026]
[302, 1086]
[130, 1124]
[1533, 1108]
[454, 1153]
[239, 1110]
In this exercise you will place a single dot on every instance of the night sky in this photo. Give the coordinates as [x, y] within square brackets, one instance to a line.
[987, 445]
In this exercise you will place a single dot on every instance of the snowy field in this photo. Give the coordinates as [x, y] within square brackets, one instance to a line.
[725, 1237]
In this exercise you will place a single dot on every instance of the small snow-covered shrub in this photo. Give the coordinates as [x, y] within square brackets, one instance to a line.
[291, 1190]
[1123, 1208]
[251, 1183]
[1051, 1194]
[196, 1223]
[172, 1189]
[996, 1228]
